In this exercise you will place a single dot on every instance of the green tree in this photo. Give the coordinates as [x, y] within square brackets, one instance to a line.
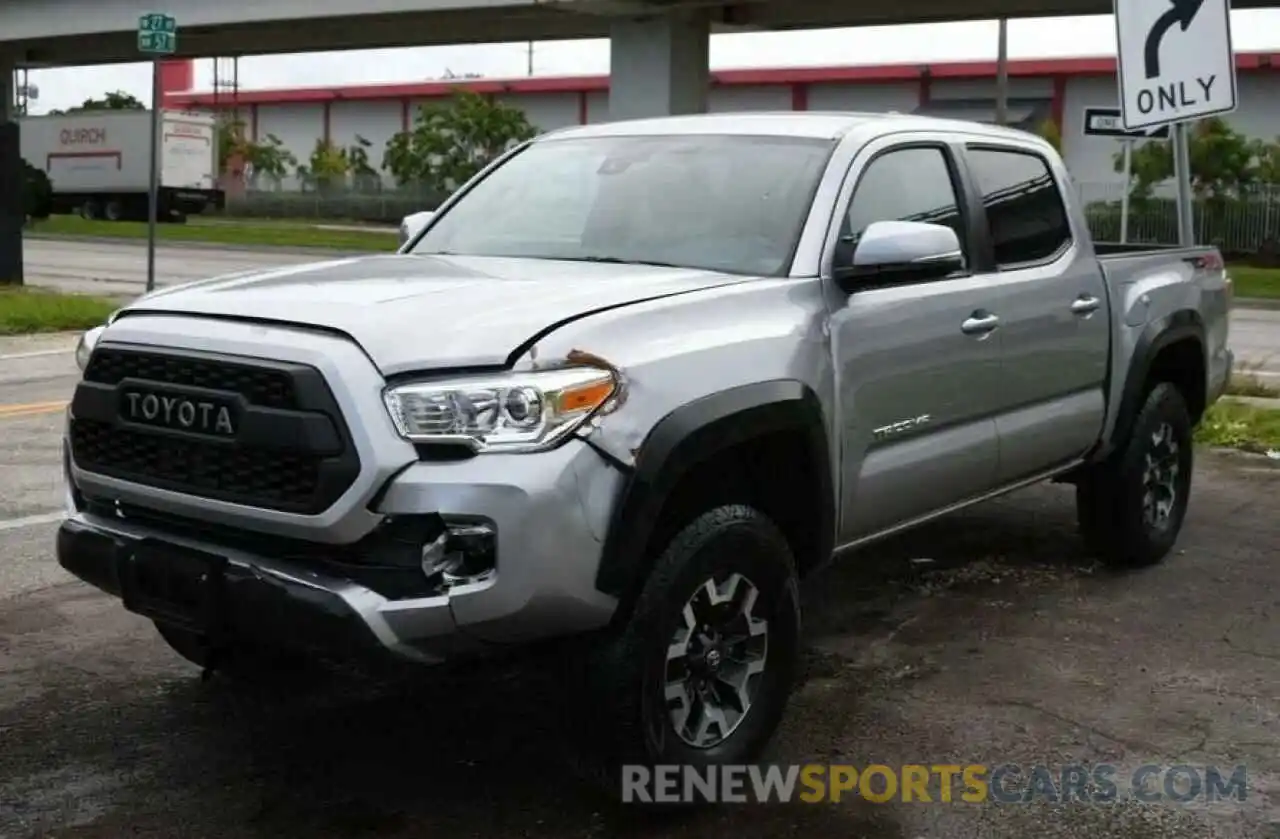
[451, 142]
[327, 167]
[231, 139]
[116, 100]
[1267, 155]
[1223, 162]
[270, 160]
[363, 174]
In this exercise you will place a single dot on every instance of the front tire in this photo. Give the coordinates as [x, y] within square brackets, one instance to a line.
[702, 671]
[1131, 508]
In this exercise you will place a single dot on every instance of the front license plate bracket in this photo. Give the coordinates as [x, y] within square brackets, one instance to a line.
[175, 585]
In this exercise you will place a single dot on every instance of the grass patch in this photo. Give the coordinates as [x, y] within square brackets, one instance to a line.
[1255, 282]
[1240, 426]
[28, 310]
[249, 233]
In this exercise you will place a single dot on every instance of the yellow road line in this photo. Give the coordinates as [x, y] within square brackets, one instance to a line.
[31, 409]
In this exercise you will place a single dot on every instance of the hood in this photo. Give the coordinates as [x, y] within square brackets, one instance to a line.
[429, 312]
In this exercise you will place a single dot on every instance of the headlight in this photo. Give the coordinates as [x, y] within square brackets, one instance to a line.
[516, 412]
[84, 348]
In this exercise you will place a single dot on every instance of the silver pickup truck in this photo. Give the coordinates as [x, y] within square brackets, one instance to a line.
[623, 390]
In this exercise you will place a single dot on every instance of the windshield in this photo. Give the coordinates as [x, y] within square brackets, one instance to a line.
[725, 203]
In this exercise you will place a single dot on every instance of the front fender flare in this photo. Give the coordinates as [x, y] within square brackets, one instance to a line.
[690, 435]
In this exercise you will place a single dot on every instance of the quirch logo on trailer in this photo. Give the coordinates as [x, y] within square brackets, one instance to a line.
[186, 129]
[82, 136]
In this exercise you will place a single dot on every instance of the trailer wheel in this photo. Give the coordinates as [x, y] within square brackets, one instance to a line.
[114, 211]
[90, 210]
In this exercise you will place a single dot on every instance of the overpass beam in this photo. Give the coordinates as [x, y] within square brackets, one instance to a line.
[12, 181]
[659, 66]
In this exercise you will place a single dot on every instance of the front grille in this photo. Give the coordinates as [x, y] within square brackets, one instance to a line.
[271, 479]
[298, 459]
[260, 386]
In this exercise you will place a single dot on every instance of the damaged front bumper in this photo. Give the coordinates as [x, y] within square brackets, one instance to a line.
[471, 556]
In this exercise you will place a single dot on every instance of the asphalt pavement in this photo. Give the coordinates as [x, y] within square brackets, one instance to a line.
[986, 637]
[120, 268]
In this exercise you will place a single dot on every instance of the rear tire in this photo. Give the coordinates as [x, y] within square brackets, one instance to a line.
[1131, 507]
[113, 211]
[90, 210]
[701, 673]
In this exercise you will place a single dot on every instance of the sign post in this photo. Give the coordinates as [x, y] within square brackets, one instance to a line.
[1124, 199]
[157, 36]
[1176, 66]
[1108, 122]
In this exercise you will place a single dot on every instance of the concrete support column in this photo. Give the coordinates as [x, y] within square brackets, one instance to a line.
[8, 90]
[659, 66]
[12, 187]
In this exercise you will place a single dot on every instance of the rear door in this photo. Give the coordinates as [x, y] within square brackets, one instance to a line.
[915, 378]
[1054, 320]
[188, 153]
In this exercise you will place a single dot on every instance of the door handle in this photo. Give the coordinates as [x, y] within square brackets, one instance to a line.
[1085, 304]
[980, 323]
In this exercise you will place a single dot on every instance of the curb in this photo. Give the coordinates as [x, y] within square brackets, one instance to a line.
[1265, 402]
[335, 253]
[1256, 303]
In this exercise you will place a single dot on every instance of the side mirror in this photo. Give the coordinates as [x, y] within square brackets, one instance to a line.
[412, 224]
[901, 251]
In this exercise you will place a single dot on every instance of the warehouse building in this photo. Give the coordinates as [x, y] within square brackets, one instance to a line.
[1039, 90]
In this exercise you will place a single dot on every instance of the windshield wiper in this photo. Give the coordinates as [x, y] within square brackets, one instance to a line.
[617, 260]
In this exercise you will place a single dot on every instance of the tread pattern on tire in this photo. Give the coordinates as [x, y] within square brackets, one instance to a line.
[611, 672]
[1109, 517]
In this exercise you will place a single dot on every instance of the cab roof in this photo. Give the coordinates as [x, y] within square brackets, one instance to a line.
[824, 125]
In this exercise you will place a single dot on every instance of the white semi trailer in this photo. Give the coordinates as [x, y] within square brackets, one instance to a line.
[98, 162]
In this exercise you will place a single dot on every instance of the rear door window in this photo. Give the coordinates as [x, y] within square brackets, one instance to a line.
[1023, 204]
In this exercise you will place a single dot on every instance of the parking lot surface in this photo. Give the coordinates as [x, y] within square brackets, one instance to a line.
[983, 638]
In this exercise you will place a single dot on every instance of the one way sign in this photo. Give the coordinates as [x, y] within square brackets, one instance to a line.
[1106, 122]
[1176, 61]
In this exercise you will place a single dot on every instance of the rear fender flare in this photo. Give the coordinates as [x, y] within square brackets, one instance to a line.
[1155, 336]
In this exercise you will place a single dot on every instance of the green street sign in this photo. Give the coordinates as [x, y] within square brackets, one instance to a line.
[156, 22]
[157, 34]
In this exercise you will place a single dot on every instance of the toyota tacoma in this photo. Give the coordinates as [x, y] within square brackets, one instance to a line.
[624, 389]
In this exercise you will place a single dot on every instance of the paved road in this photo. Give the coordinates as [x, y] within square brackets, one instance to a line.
[1255, 336]
[121, 268]
[1010, 649]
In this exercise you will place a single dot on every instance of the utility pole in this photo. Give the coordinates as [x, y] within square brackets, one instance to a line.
[1002, 73]
[529, 59]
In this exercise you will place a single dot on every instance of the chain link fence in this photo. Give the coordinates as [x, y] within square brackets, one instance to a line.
[1243, 226]
[372, 200]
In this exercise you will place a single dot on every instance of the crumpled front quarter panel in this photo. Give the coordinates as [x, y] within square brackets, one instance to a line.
[675, 351]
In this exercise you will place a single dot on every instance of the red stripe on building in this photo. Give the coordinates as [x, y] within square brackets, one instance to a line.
[765, 76]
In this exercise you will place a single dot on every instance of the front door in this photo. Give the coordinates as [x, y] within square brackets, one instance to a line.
[916, 365]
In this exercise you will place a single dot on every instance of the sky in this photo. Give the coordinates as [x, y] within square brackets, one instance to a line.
[1032, 38]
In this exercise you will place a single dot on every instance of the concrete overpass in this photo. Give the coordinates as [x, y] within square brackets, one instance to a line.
[659, 47]
[657, 44]
[53, 32]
